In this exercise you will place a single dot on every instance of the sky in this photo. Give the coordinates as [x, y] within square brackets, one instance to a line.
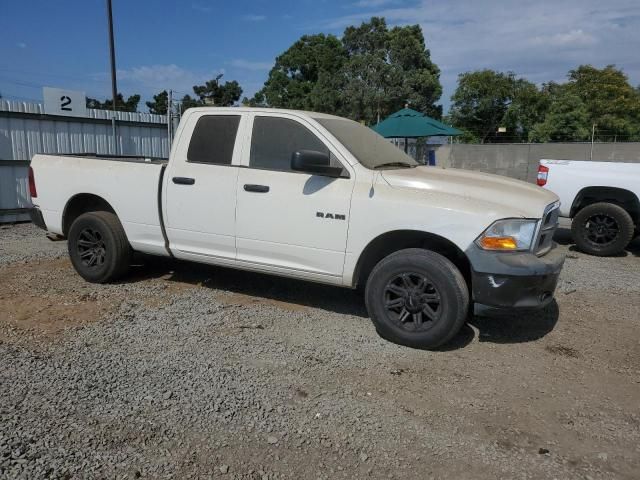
[172, 44]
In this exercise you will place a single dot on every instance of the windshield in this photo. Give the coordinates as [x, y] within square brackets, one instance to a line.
[369, 148]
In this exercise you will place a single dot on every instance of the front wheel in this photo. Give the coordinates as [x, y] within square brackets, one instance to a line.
[602, 229]
[98, 247]
[417, 298]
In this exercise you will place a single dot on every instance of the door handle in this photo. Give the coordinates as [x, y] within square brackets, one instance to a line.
[256, 188]
[184, 180]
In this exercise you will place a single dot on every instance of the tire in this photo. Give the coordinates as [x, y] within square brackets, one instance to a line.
[602, 229]
[417, 282]
[98, 247]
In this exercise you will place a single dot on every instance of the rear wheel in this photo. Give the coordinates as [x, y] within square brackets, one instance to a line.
[602, 229]
[417, 298]
[98, 247]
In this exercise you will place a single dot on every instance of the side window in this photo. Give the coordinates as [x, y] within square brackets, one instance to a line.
[274, 140]
[213, 139]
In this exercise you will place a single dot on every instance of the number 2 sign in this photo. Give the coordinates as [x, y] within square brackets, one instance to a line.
[64, 102]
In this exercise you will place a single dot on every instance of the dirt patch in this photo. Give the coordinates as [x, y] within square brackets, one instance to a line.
[34, 297]
[46, 297]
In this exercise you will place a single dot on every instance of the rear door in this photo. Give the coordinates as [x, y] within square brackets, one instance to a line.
[288, 221]
[200, 204]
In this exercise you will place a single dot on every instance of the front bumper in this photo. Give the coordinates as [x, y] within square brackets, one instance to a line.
[36, 217]
[514, 280]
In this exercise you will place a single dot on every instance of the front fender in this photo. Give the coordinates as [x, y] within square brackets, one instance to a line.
[378, 209]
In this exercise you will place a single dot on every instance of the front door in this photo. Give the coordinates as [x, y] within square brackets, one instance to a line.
[201, 189]
[290, 221]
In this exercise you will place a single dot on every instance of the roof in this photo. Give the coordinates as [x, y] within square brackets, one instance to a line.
[264, 110]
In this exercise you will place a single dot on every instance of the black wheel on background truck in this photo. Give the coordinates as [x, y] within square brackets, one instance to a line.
[602, 229]
[98, 247]
[417, 298]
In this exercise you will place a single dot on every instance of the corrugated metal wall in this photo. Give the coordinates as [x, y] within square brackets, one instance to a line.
[26, 130]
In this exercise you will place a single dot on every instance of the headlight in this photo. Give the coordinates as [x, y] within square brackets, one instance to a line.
[508, 235]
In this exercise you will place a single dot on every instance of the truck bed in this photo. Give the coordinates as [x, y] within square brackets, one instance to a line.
[130, 185]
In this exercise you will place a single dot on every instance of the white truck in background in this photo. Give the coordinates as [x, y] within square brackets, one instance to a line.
[314, 197]
[601, 199]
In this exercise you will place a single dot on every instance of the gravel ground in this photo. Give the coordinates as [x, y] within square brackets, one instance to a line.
[185, 371]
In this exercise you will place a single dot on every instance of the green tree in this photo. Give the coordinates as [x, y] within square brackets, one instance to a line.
[485, 100]
[387, 69]
[481, 101]
[528, 107]
[159, 104]
[611, 102]
[371, 73]
[129, 105]
[420, 76]
[304, 76]
[212, 93]
[189, 102]
[258, 100]
[567, 119]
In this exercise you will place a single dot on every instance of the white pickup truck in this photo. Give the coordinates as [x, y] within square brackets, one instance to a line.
[601, 198]
[315, 197]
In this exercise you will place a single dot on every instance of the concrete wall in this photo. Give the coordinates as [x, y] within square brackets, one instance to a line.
[520, 160]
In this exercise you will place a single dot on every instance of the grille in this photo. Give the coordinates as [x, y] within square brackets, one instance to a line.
[547, 228]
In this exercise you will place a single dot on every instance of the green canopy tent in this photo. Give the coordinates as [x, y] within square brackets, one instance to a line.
[408, 123]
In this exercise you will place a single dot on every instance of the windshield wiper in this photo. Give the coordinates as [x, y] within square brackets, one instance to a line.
[395, 164]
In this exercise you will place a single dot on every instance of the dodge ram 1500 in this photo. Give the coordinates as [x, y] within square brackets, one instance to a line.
[315, 197]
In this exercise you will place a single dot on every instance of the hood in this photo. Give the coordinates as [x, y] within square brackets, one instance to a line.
[523, 199]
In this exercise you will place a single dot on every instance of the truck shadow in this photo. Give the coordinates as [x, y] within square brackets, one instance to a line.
[505, 326]
[297, 293]
[513, 326]
[492, 325]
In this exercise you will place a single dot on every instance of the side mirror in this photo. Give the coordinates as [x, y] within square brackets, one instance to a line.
[314, 162]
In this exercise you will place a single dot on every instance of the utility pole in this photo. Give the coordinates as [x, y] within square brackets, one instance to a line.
[170, 119]
[593, 133]
[114, 87]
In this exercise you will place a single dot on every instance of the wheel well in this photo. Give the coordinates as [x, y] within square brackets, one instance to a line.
[82, 203]
[618, 196]
[394, 241]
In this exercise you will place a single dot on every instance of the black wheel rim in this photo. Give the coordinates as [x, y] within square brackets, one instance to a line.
[412, 301]
[602, 230]
[91, 248]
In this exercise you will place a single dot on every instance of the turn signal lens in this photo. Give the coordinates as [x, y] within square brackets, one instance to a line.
[508, 235]
[499, 243]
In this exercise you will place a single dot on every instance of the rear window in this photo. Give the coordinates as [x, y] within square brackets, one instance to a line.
[213, 139]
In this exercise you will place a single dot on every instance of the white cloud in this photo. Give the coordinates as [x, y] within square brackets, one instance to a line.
[250, 65]
[540, 40]
[21, 45]
[254, 18]
[372, 3]
[147, 79]
[574, 38]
